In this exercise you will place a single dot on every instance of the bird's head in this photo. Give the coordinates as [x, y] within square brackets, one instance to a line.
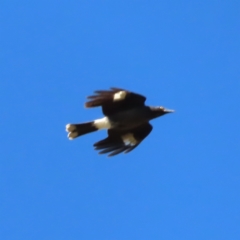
[160, 111]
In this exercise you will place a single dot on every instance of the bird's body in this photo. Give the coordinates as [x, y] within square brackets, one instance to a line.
[130, 118]
[126, 119]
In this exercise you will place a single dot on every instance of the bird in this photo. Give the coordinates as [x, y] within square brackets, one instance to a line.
[126, 119]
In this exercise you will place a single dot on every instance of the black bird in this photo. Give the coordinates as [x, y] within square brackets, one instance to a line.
[126, 119]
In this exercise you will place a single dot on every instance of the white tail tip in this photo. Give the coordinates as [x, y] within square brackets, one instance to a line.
[72, 135]
[70, 127]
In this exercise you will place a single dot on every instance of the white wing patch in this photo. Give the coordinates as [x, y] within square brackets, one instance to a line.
[119, 96]
[129, 139]
[102, 123]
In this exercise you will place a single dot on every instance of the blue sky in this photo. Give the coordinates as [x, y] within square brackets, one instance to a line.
[182, 182]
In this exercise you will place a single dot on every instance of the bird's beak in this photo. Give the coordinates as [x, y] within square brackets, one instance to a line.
[168, 110]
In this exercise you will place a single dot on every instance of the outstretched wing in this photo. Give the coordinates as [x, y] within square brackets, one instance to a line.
[123, 141]
[115, 100]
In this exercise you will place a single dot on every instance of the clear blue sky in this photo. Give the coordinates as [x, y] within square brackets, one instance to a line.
[182, 182]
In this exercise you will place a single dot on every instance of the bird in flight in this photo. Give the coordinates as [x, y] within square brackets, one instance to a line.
[126, 120]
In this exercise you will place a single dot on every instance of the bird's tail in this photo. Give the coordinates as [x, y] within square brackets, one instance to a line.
[76, 130]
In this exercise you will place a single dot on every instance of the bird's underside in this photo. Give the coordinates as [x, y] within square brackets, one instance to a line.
[126, 120]
[123, 141]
